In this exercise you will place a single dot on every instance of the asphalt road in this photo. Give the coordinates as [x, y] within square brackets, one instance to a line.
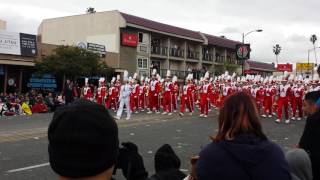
[23, 143]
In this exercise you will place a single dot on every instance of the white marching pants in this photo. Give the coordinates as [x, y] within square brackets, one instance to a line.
[123, 102]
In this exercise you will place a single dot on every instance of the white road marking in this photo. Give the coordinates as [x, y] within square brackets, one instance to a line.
[27, 168]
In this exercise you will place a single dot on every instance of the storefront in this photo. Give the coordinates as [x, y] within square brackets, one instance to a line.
[17, 54]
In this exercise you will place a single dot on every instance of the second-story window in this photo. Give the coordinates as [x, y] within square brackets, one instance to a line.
[140, 37]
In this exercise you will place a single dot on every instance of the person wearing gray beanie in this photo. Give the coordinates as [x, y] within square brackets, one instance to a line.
[299, 164]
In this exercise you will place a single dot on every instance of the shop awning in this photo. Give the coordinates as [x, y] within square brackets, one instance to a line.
[17, 62]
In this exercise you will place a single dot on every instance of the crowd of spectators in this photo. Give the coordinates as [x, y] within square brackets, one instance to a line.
[34, 101]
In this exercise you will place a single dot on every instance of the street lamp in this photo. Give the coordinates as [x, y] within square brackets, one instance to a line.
[243, 36]
[313, 49]
[246, 34]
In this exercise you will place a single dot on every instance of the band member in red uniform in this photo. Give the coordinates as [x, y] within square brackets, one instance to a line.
[260, 98]
[113, 95]
[185, 98]
[298, 93]
[283, 100]
[227, 91]
[268, 101]
[142, 93]
[204, 98]
[167, 95]
[101, 92]
[87, 93]
[216, 95]
[175, 93]
[190, 92]
[154, 91]
[134, 97]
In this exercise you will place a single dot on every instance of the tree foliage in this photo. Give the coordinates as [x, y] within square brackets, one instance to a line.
[226, 66]
[277, 49]
[313, 39]
[90, 10]
[73, 62]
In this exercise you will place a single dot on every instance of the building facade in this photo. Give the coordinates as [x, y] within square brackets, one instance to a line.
[139, 45]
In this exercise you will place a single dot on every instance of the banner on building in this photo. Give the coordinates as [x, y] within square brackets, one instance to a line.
[92, 47]
[129, 40]
[243, 51]
[18, 44]
[304, 67]
[43, 82]
[284, 67]
[97, 48]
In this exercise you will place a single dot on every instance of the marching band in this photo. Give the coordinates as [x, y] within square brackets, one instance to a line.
[273, 95]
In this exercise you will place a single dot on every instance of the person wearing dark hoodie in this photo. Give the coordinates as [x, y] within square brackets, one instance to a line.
[241, 150]
[310, 137]
[167, 165]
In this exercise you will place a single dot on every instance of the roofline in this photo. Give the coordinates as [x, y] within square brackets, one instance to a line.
[165, 33]
[49, 19]
[262, 69]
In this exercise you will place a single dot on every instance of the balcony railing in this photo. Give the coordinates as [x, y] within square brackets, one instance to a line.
[197, 74]
[159, 50]
[207, 57]
[174, 52]
[193, 55]
[219, 59]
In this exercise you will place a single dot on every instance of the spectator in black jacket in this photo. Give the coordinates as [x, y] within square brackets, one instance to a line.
[68, 92]
[167, 165]
[311, 134]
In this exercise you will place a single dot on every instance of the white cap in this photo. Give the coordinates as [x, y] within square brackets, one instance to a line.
[174, 79]
[125, 75]
[168, 73]
[135, 75]
[102, 79]
[154, 72]
[86, 80]
[113, 80]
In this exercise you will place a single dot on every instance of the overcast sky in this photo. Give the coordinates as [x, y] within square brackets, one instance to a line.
[289, 23]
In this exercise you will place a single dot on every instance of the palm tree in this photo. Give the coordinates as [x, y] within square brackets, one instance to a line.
[314, 39]
[276, 51]
[90, 10]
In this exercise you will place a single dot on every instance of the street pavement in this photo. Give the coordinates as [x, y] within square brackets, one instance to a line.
[23, 141]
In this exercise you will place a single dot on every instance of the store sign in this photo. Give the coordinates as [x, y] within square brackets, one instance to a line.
[28, 44]
[284, 67]
[304, 66]
[243, 51]
[18, 44]
[129, 40]
[95, 48]
[43, 82]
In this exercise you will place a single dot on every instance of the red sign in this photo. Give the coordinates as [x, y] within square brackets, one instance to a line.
[284, 67]
[129, 40]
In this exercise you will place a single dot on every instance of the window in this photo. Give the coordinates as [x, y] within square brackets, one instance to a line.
[140, 37]
[142, 63]
[143, 49]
